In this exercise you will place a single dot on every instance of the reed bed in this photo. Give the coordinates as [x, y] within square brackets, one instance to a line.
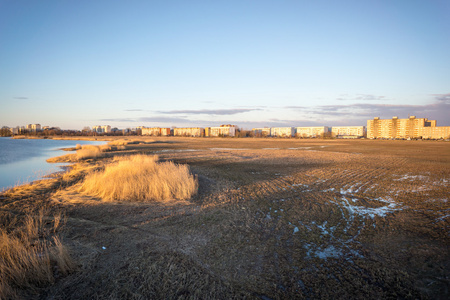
[31, 255]
[141, 178]
[91, 151]
[124, 142]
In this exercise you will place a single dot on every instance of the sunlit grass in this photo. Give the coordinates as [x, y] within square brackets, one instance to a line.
[30, 254]
[141, 178]
[91, 151]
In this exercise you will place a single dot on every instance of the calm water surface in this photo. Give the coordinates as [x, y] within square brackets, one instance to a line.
[24, 160]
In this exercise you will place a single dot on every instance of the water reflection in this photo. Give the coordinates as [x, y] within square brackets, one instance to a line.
[29, 168]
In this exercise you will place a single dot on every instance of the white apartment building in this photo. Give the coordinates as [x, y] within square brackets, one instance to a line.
[155, 131]
[261, 132]
[192, 131]
[282, 131]
[101, 128]
[223, 130]
[348, 132]
[307, 132]
[33, 127]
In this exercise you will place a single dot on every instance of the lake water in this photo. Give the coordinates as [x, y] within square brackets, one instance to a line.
[24, 160]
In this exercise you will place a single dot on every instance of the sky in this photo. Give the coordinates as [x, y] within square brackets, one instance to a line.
[250, 63]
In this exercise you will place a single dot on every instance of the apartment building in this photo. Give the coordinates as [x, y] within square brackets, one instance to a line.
[192, 131]
[311, 132]
[441, 132]
[101, 128]
[223, 130]
[282, 131]
[348, 132]
[155, 131]
[412, 127]
[261, 132]
[33, 127]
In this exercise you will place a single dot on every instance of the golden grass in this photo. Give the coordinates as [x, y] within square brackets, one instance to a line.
[91, 151]
[124, 142]
[30, 254]
[141, 178]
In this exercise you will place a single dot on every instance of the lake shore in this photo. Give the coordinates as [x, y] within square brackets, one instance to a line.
[272, 218]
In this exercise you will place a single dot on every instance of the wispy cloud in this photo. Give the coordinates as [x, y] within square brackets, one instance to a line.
[118, 120]
[360, 97]
[173, 120]
[442, 97]
[21, 98]
[135, 109]
[148, 119]
[210, 111]
[439, 110]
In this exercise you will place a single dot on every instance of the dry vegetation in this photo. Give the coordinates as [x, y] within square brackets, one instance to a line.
[141, 178]
[31, 253]
[272, 219]
[91, 151]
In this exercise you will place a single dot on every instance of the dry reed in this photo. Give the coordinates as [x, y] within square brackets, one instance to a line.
[91, 151]
[141, 178]
[29, 256]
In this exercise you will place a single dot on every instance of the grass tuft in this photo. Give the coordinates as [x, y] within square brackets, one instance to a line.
[141, 178]
[29, 255]
[91, 151]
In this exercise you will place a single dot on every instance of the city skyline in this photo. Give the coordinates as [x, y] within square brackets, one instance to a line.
[253, 64]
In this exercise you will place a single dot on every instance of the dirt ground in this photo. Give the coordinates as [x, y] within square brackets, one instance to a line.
[273, 219]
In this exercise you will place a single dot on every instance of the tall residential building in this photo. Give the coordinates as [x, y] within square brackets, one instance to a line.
[193, 131]
[33, 127]
[223, 130]
[348, 132]
[306, 132]
[412, 127]
[261, 132]
[101, 128]
[155, 131]
[282, 131]
[36, 127]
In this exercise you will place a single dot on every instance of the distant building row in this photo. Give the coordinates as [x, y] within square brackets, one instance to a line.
[29, 128]
[308, 132]
[231, 130]
[395, 128]
[221, 131]
[411, 128]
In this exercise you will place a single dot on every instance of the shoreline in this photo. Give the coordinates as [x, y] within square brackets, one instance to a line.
[67, 138]
[48, 175]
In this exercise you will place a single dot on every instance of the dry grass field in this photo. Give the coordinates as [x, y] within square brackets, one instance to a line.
[272, 219]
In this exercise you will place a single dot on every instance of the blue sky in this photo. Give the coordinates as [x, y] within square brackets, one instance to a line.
[204, 63]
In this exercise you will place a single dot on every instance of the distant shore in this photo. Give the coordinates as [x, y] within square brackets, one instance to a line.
[72, 138]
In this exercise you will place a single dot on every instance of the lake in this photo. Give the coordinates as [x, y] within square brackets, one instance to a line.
[24, 160]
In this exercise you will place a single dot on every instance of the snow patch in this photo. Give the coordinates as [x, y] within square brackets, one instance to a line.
[369, 211]
[410, 177]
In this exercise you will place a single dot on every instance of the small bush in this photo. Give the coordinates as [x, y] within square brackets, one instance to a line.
[129, 142]
[141, 178]
[91, 151]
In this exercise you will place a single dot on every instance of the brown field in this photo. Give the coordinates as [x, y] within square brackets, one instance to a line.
[272, 219]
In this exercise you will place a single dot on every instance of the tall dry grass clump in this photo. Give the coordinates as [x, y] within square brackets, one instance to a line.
[141, 178]
[30, 255]
[91, 151]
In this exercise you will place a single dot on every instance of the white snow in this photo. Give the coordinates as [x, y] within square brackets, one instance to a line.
[370, 211]
[410, 177]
